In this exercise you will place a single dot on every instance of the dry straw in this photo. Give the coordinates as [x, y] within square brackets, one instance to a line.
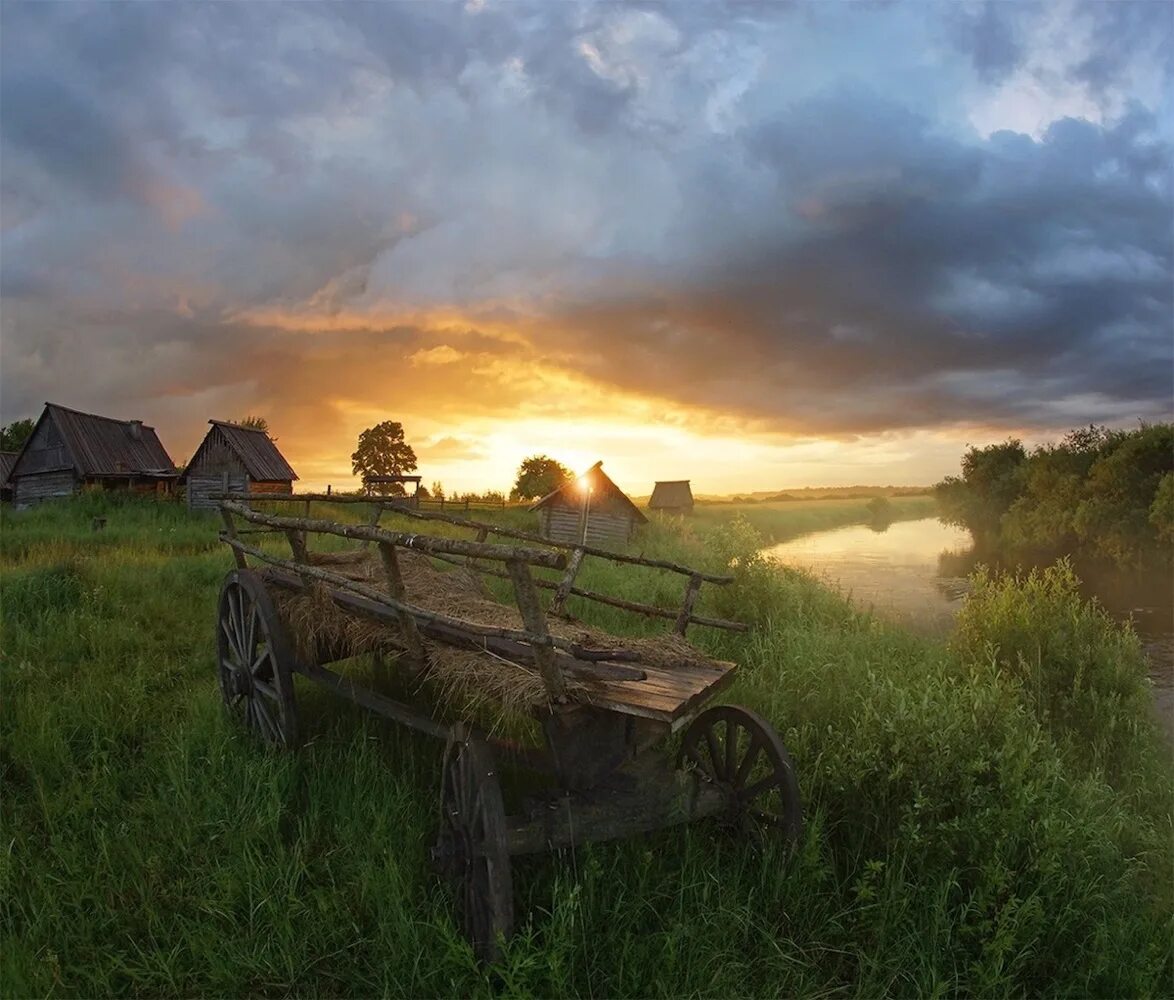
[460, 677]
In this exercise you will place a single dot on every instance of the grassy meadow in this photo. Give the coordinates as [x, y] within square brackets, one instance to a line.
[991, 815]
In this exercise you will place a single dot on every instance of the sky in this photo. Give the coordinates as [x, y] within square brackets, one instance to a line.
[753, 245]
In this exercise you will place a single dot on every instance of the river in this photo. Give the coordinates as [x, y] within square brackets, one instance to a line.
[913, 572]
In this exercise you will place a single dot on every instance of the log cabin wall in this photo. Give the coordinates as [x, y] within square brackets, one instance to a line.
[234, 459]
[215, 468]
[607, 526]
[32, 488]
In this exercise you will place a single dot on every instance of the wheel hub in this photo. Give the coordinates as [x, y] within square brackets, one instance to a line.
[242, 682]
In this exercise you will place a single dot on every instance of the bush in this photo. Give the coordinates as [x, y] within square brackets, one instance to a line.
[1082, 674]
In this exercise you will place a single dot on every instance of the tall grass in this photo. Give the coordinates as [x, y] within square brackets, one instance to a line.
[958, 841]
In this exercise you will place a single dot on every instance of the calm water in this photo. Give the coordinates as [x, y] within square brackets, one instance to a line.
[914, 572]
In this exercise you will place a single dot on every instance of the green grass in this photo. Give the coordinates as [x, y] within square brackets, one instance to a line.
[980, 822]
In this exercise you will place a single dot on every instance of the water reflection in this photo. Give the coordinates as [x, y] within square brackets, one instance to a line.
[894, 571]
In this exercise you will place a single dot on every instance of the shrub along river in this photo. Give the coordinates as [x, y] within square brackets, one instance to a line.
[915, 572]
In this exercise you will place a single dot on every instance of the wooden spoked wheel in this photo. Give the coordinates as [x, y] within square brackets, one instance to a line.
[256, 679]
[471, 847]
[740, 753]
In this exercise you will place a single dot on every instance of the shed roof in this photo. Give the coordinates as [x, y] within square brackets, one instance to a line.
[671, 493]
[104, 446]
[255, 449]
[601, 485]
[7, 461]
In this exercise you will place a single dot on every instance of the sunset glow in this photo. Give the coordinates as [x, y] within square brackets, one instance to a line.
[828, 245]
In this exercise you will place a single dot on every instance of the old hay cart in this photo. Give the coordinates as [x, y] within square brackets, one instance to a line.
[605, 706]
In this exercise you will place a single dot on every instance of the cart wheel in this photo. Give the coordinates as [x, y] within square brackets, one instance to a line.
[256, 680]
[740, 752]
[471, 847]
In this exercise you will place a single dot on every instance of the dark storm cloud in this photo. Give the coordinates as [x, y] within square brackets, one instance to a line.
[776, 211]
[987, 33]
[911, 278]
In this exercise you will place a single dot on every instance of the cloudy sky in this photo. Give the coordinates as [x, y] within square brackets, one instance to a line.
[758, 245]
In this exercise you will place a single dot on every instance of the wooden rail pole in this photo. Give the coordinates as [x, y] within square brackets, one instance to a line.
[230, 530]
[563, 591]
[395, 586]
[686, 615]
[535, 621]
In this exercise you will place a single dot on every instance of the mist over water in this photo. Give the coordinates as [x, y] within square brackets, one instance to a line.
[915, 573]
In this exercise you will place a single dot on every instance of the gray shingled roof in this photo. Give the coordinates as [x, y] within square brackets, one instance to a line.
[256, 451]
[671, 493]
[103, 446]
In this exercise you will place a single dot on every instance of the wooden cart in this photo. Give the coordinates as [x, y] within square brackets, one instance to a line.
[606, 715]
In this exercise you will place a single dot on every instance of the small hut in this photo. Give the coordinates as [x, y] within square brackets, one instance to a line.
[70, 450]
[7, 461]
[589, 510]
[672, 496]
[238, 459]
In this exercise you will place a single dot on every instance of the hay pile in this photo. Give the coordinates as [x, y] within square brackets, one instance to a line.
[458, 676]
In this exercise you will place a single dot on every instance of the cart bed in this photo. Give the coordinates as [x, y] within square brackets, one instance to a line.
[667, 694]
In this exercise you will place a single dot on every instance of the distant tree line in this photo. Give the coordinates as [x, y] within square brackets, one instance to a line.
[1103, 492]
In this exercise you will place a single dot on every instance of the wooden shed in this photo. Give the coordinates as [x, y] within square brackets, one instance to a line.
[7, 461]
[235, 458]
[590, 509]
[672, 496]
[70, 450]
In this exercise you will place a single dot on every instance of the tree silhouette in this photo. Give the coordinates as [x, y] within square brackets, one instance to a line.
[382, 451]
[537, 476]
[14, 435]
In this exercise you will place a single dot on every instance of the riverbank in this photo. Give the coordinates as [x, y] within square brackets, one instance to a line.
[917, 574]
[959, 839]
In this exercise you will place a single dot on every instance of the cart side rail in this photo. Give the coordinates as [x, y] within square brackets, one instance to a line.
[399, 507]
[535, 637]
[431, 544]
[681, 617]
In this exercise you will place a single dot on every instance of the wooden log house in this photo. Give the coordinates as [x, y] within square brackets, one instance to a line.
[590, 509]
[238, 459]
[70, 450]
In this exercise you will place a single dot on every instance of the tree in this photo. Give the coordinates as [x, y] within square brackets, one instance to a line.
[382, 451]
[537, 476]
[14, 435]
[438, 490]
[992, 480]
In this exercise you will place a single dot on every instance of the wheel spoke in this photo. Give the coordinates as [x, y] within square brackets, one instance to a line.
[243, 630]
[268, 727]
[772, 780]
[234, 614]
[255, 667]
[711, 744]
[251, 630]
[267, 689]
[747, 765]
[731, 747]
